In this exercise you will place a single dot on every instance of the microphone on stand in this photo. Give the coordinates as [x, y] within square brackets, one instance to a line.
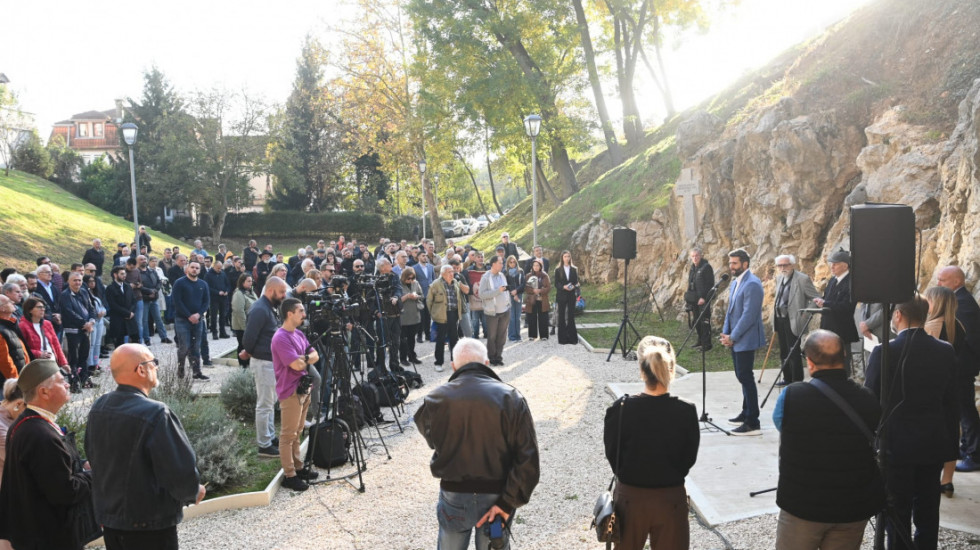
[724, 278]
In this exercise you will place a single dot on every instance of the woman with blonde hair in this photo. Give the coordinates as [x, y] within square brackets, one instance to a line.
[941, 324]
[651, 442]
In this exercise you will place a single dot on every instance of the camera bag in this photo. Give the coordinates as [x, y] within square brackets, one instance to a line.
[332, 445]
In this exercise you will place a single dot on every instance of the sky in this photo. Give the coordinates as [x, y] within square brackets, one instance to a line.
[70, 57]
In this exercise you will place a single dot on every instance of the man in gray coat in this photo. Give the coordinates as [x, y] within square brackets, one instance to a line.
[794, 291]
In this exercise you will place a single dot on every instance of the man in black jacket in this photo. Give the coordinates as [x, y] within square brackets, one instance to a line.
[143, 467]
[250, 255]
[837, 298]
[700, 279]
[827, 505]
[485, 473]
[218, 313]
[79, 321]
[921, 421]
[149, 292]
[43, 476]
[967, 368]
[96, 256]
[120, 301]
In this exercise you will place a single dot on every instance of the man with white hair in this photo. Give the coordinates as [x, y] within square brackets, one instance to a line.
[15, 292]
[41, 477]
[794, 290]
[486, 473]
[199, 249]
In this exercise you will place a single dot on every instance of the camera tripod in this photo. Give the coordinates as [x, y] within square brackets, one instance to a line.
[339, 381]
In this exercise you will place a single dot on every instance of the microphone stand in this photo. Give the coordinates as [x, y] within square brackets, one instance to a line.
[705, 419]
[782, 369]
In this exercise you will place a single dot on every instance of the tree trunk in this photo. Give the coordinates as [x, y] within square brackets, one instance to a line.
[430, 204]
[668, 96]
[549, 109]
[544, 185]
[627, 37]
[493, 190]
[476, 188]
[615, 151]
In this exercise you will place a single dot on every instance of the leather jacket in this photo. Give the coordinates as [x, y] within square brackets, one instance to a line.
[144, 469]
[501, 456]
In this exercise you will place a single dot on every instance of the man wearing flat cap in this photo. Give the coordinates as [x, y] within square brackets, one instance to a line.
[510, 249]
[43, 476]
[837, 299]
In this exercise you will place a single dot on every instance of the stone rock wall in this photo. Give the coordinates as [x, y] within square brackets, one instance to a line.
[781, 181]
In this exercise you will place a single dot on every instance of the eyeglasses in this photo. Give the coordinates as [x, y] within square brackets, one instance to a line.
[154, 362]
[781, 266]
[409, 278]
[40, 307]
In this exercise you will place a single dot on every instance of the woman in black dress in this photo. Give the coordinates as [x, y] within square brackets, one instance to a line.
[656, 449]
[566, 283]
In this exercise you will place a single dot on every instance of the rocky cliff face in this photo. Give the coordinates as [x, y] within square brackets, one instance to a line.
[781, 180]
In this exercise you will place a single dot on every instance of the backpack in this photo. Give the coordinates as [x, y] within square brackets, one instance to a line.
[368, 394]
[392, 388]
[332, 445]
[412, 378]
[351, 411]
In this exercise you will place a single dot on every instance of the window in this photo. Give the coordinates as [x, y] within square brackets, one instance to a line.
[82, 129]
[97, 129]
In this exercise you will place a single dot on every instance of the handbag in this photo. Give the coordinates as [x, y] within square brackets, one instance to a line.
[605, 521]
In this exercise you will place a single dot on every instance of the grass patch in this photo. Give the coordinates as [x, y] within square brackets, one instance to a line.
[610, 296]
[40, 218]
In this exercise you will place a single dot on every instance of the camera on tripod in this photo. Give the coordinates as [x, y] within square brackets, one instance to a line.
[326, 312]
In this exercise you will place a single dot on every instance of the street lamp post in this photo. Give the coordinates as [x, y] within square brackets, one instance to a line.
[422, 171]
[129, 131]
[532, 126]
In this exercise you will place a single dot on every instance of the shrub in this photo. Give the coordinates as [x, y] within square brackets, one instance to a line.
[238, 395]
[213, 434]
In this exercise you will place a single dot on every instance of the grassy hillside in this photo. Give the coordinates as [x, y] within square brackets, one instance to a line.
[40, 218]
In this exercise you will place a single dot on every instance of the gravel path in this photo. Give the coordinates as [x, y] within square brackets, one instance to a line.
[565, 387]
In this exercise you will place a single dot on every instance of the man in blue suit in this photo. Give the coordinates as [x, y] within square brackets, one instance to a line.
[743, 333]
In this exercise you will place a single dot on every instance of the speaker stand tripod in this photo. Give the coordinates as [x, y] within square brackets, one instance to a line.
[622, 337]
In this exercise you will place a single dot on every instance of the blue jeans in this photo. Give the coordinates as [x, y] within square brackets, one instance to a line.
[458, 514]
[514, 328]
[265, 402]
[750, 395]
[151, 310]
[95, 345]
[189, 342]
[477, 318]
[140, 323]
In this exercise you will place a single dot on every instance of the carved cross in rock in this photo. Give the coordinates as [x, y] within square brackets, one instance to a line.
[686, 187]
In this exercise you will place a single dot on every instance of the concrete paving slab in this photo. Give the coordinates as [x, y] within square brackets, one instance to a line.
[730, 467]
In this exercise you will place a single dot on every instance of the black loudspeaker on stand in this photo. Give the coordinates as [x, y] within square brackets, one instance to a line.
[624, 248]
[883, 271]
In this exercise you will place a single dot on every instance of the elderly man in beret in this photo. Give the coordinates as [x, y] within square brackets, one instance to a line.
[43, 477]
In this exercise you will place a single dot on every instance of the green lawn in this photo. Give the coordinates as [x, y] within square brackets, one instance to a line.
[610, 296]
[40, 218]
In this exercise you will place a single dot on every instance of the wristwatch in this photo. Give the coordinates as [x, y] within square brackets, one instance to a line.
[306, 358]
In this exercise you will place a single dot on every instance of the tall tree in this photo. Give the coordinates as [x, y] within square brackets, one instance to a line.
[66, 163]
[308, 152]
[469, 38]
[31, 157]
[615, 151]
[629, 19]
[231, 139]
[12, 127]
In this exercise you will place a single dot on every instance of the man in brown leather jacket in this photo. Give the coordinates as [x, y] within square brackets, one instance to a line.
[486, 452]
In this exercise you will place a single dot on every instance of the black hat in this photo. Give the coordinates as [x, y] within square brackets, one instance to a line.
[840, 256]
[265, 253]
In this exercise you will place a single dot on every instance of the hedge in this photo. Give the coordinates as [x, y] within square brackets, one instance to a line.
[289, 224]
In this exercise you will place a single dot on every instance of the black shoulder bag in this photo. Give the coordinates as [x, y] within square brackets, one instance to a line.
[606, 523]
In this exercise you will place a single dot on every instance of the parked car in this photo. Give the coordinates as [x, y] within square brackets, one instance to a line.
[469, 225]
[481, 223]
[452, 228]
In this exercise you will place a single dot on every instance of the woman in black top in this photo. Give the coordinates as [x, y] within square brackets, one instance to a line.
[657, 448]
[566, 283]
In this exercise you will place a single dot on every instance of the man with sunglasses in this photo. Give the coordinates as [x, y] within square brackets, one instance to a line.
[138, 497]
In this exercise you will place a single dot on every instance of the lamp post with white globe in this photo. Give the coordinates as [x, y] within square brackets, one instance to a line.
[532, 126]
[129, 131]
